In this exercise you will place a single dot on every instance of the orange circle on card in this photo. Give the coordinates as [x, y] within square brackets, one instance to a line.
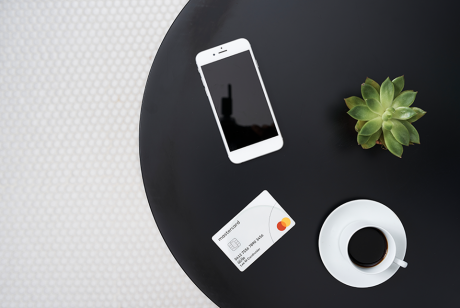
[283, 224]
[287, 221]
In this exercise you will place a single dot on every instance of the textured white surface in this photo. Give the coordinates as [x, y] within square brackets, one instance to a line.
[75, 226]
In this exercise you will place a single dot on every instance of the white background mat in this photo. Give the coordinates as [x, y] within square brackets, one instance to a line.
[75, 226]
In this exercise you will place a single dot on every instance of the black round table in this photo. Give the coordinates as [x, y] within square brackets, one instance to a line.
[312, 54]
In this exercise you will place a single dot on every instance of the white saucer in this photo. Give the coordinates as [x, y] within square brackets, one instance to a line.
[333, 260]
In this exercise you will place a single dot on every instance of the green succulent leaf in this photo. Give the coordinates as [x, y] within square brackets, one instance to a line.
[398, 82]
[419, 113]
[414, 136]
[403, 113]
[368, 91]
[359, 125]
[387, 91]
[371, 127]
[363, 139]
[391, 144]
[372, 140]
[400, 132]
[354, 101]
[388, 125]
[362, 113]
[374, 105]
[405, 99]
[387, 115]
[373, 83]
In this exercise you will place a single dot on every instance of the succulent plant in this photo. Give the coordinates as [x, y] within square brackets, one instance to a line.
[384, 115]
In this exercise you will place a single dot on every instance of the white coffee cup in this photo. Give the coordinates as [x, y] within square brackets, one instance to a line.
[387, 261]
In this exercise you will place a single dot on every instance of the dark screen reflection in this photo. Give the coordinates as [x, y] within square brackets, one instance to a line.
[239, 100]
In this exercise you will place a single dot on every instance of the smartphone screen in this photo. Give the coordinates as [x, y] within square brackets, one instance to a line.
[239, 100]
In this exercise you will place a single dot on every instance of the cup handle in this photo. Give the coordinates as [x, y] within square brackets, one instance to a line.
[400, 262]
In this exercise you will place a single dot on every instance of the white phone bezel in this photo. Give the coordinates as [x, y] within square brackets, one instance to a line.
[221, 52]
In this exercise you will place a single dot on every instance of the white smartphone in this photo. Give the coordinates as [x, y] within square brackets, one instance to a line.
[239, 101]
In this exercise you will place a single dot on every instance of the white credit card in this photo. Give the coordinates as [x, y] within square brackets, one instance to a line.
[255, 229]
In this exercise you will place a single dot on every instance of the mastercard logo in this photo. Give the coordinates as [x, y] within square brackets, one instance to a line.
[283, 224]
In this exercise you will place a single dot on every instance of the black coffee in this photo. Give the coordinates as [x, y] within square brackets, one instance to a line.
[367, 247]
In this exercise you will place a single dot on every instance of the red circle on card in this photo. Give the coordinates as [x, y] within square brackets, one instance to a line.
[281, 226]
